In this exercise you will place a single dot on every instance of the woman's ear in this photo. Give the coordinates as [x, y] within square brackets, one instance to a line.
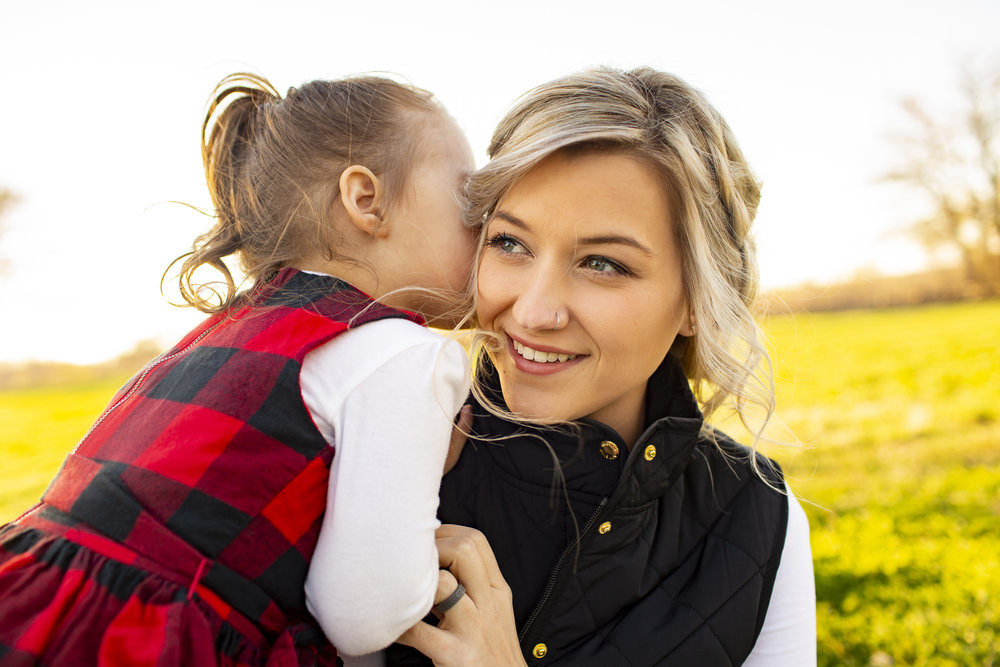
[361, 195]
[688, 327]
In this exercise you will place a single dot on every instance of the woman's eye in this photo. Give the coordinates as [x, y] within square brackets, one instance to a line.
[605, 266]
[506, 244]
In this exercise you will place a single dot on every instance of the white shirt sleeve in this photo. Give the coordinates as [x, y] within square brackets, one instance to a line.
[788, 637]
[385, 394]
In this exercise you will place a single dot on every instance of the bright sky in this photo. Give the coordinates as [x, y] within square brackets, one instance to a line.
[102, 105]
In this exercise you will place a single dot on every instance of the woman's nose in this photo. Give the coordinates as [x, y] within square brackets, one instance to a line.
[541, 304]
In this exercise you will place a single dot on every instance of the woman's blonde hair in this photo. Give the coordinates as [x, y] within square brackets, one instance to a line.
[273, 166]
[712, 190]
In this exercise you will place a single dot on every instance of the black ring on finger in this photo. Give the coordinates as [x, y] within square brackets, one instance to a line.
[451, 600]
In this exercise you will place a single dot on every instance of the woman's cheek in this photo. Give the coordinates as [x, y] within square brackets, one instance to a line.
[488, 283]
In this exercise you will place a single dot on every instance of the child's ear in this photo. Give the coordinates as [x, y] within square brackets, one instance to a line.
[361, 195]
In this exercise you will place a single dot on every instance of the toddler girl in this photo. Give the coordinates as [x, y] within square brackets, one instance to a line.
[281, 463]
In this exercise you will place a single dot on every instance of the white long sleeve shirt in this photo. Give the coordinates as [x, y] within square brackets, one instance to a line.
[788, 636]
[385, 395]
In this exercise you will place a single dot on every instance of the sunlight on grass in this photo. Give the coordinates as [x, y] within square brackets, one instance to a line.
[38, 428]
[896, 423]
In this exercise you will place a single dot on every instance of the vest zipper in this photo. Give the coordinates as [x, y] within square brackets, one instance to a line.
[555, 572]
[138, 381]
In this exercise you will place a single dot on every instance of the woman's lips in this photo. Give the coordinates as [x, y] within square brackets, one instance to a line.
[540, 361]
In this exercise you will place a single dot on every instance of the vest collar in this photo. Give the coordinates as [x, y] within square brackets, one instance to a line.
[593, 457]
[327, 295]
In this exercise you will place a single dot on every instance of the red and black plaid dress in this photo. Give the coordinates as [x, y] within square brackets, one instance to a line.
[180, 530]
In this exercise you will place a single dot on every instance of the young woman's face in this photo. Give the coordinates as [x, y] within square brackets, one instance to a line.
[581, 278]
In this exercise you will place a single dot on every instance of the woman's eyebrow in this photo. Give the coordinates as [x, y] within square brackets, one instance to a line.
[590, 240]
[512, 219]
[614, 238]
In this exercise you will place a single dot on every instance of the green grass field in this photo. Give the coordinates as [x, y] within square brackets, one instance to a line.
[38, 428]
[898, 416]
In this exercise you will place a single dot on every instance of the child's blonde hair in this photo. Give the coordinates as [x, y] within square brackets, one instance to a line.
[273, 165]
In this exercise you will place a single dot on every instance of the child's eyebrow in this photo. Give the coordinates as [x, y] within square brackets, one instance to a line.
[590, 240]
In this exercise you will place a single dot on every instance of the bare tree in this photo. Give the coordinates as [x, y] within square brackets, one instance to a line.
[955, 162]
[7, 198]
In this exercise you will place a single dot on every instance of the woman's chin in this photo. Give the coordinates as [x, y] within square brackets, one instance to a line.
[539, 408]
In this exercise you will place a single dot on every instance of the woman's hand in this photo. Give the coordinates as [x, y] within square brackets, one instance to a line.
[479, 629]
[459, 434]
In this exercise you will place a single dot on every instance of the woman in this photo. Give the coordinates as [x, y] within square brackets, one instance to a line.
[616, 271]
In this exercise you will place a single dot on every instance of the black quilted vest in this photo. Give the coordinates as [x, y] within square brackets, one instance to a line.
[667, 556]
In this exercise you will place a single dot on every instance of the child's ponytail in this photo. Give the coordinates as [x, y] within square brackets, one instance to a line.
[272, 166]
[225, 140]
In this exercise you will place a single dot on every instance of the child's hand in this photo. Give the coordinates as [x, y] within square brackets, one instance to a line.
[463, 424]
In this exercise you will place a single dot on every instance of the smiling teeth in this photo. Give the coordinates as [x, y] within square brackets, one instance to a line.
[541, 357]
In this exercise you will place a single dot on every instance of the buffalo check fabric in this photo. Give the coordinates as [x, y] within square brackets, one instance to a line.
[180, 530]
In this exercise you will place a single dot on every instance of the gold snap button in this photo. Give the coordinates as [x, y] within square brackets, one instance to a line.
[609, 450]
[650, 453]
[604, 528]
[540, 650]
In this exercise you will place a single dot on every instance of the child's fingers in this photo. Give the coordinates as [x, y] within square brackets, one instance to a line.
[464, 419]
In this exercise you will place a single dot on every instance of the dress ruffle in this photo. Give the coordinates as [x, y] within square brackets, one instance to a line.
[67, 604]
